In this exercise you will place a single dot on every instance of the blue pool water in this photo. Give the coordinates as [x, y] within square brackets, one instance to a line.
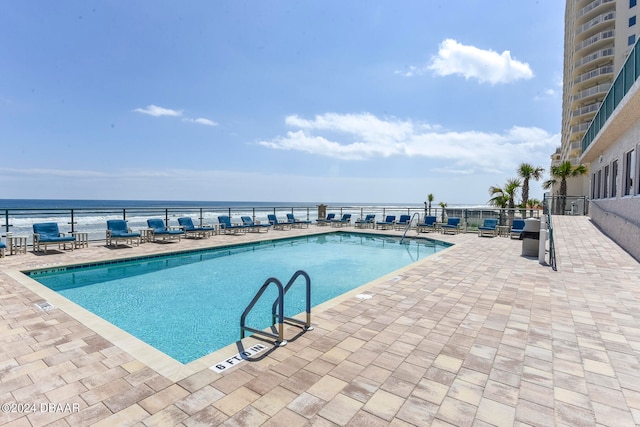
[189, 305]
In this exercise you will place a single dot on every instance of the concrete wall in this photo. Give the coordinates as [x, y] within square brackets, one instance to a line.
[619, 220]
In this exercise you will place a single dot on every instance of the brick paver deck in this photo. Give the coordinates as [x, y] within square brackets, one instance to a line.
[474, 335]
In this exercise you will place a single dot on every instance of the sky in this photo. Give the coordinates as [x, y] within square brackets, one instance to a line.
[320, 101]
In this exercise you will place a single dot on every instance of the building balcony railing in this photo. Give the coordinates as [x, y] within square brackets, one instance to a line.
[591, 6]
[626, 77]
[610, 16]
[603, 36]
[598, 72]
[592, 91]
[580, 128]
[596, 56]
[587, 109]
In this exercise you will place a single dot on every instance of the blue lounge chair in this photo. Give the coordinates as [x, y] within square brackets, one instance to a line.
[388, 222]
[452, 225]
[2, 248]
[326, 221]
[277, 225]
[45, 233]
[252, 226]
[228, 228]
[429, 224]
[367, 222]
[517, 228]
[291, 219]
[160, 231]
[345, 220]
[117, 229]
[402, 222]
[186, 223]
[489, 227]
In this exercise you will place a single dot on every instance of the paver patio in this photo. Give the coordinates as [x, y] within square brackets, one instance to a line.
[474, 335]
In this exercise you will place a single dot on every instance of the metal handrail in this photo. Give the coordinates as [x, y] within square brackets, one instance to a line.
[279, 338]
[552, 246]
[409, 226]
[306, 325]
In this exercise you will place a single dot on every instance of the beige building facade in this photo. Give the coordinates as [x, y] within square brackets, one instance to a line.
[599, 34]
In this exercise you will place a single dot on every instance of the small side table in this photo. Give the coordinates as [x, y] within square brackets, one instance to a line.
[146, 235]
[503, 230]
[82, 239]
[17, 245]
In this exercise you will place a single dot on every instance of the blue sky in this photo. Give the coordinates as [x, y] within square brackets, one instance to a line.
[295, 101]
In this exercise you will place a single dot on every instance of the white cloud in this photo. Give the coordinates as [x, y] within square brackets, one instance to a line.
[365, 136]
[487, 66]
[201, 121]
[155, 111]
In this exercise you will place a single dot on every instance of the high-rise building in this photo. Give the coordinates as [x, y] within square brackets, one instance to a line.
[598, 37]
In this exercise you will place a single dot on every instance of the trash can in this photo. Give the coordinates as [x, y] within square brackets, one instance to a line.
[531, 237]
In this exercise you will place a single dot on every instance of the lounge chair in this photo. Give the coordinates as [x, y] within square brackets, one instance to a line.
[228, 228]
[277, 225]
[291, 219]
[345, 220]
[402, 222]
[326, 221]
[117, 229]
[388, 222]
[488, 227]
[186, 223]
[252, 226]
[517, 228]
[452, 225]
[367, 222]
[3, 246]
[429, 224]
[160, 231]
[45, 233]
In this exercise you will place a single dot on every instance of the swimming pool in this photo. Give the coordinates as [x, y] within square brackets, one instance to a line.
[189, 304]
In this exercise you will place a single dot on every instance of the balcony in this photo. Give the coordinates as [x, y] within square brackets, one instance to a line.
[594, 40]
[580, 128]
[587, 109]
[607, 17]
[598, 72]
[592, 6]
[594, 58]
[600, 89]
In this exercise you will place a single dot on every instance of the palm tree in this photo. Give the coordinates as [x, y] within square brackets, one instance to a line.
[562, 172]
[533, 204]
[443, 205]
[430, 199]
[527, 172]
[505, 197]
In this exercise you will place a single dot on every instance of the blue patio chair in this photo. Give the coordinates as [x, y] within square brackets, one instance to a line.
[345, 220]
[326, 221]
[517, 228]
[452, 225]
[489, 227]
[252, 226]
[186, 223]
[291, 219]
[277, 225]
[45, 233]
[429, 224]
[3, 246]
[388, 222]
[160, 231]
[228, 228]
[117, 229]
[367, 222]
[402, 222]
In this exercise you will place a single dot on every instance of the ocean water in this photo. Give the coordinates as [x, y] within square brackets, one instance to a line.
[18, 215]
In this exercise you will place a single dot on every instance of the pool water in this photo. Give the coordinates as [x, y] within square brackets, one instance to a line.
[189, 305]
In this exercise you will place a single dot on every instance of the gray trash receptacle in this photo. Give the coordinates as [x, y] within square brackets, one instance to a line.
[531, 237]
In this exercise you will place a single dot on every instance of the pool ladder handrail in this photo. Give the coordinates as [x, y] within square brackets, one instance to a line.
[408, 227]
[279, 306]
[306, 324]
